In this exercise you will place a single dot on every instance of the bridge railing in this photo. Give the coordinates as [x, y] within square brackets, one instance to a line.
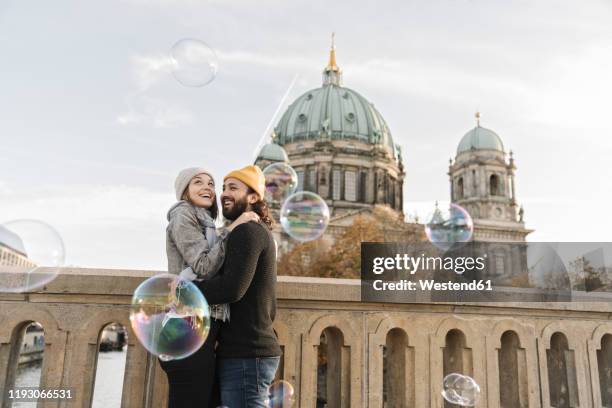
[373, 353]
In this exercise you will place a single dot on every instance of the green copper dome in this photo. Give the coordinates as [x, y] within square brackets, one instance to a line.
[480, 138]
[333, 112]
[273, 152]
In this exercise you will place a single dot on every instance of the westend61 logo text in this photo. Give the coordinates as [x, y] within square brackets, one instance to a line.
[413, 264]
[404, 263]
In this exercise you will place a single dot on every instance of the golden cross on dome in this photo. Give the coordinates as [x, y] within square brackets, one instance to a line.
[477, 116]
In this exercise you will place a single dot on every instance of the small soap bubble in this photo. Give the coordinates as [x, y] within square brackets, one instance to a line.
[281, 394]
[31, 253]
[460, 389]
[281, 182]
[195, 64]
[449, 227]
[170, 316]
[304, 216]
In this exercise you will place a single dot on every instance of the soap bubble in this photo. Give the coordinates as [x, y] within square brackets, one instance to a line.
[195, 64]
[304, 216]
[449, 227]
[170, 316]
[460, 389]
[281, 182]
[281, 394]
[31, 253]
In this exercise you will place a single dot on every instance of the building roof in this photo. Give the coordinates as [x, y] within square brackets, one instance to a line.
[11, 240]
[273, 152]
[480, 138]
[333, 112]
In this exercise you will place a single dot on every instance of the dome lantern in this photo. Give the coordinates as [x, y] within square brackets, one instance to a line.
[332, 74]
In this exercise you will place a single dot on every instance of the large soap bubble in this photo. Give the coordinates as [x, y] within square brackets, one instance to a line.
[449, 227]
[281, 182]
[31, 253]
[195, 64]
[304, 216]
[170, 316]
[460, 389]
[281, 394]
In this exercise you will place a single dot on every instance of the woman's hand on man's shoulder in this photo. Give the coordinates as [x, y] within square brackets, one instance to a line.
[245, 217]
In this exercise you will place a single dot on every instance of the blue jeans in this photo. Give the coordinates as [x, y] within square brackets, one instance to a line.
[245, 381]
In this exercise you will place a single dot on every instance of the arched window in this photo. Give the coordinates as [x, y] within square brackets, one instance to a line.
[362, 187]
[512, 372]
[350, 186]
[110, 366]
[494, 185]
[311, 183]
[333, 370]
[604, 365]
[398, 370]
[336, 184]
[25, 357]
[457, 358]
[563, 387]
[460, 188]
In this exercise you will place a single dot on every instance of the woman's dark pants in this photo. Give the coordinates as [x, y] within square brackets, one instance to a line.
[192, 380]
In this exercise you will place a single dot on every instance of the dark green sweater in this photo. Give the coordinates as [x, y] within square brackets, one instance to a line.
[248, 282]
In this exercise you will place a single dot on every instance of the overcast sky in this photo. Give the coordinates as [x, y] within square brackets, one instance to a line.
[93, 128]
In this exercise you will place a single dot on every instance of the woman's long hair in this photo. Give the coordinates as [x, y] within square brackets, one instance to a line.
[260, 207]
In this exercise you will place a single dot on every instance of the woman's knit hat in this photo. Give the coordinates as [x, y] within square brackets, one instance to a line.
[252, 176]
[185, 176]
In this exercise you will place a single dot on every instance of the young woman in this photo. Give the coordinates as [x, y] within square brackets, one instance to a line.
[196, 252]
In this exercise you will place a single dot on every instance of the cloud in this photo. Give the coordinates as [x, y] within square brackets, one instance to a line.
[153, 111]
[148, 70]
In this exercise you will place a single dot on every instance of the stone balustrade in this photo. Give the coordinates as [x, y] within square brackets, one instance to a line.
[522, 355]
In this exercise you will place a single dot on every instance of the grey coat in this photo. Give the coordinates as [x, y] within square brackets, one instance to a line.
[192, 242]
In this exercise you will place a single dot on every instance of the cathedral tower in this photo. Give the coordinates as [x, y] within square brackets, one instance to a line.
[482, 182]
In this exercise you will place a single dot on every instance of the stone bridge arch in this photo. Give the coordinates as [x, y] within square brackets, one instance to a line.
[593, 346]
[579, 355]
[437, 344]
[350, 329]
[527, 339]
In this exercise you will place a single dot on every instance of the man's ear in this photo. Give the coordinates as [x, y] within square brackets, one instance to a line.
[252, 198]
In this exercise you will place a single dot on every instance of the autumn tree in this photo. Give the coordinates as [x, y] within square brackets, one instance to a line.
[342, 258]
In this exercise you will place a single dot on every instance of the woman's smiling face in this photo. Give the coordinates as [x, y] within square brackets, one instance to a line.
[201, 191]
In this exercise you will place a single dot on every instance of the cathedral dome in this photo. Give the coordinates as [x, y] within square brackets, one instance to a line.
[273, 152]
[333, 112]
[480, 138]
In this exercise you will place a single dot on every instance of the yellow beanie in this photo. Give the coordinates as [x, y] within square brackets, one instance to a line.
[252, 176]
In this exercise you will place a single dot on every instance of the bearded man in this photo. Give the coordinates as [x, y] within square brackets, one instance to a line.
[248, 352]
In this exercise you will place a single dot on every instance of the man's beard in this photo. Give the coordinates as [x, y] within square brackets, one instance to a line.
[237, 209]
